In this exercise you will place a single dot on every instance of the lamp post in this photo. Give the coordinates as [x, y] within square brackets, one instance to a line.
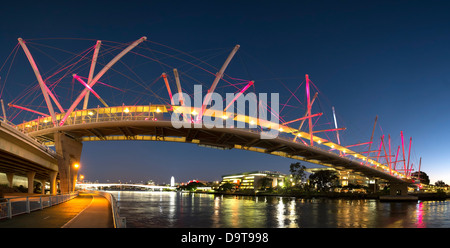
[76, 167]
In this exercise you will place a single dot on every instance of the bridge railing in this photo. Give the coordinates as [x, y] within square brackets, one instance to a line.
[141, 112]
[13, 206]
[119, 222]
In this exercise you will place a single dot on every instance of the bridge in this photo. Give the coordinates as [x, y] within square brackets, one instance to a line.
[100, 185]
[23, 155]
[69, 128]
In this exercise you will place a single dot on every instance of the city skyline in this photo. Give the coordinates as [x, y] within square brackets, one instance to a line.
[392, 67]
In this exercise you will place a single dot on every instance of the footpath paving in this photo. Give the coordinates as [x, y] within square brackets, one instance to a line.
[88, 210]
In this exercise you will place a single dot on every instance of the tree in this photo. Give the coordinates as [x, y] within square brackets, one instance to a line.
[227, 186]
[298, 172]
[266, 182]
[323, 178]
[192, 186]
[422, 176]
[440, 183]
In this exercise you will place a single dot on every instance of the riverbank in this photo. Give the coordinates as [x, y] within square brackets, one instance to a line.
[333, 195]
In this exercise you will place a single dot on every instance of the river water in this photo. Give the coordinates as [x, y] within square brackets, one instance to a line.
[145, 209]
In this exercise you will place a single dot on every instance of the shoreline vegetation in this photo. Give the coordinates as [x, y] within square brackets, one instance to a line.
[333, 195]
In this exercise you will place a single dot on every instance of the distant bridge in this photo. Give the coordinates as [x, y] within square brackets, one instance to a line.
[98, 185]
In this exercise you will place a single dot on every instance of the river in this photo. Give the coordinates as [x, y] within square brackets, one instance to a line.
[145, 209]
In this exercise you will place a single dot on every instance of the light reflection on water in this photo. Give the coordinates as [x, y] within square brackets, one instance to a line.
[170, 209]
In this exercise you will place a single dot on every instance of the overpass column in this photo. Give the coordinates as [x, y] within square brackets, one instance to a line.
[53, 182]
[69, 153]
[9, 177]
[30, 176]
[43, 186]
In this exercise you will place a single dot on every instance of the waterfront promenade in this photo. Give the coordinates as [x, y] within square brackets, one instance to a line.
[88, 210]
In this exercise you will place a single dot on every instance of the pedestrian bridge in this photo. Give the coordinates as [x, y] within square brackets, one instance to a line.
[153, 123]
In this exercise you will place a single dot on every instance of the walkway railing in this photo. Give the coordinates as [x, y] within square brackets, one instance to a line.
[13, 206]
[119, 222]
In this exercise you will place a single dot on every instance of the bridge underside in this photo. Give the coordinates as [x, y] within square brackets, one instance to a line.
[20, 155]
[10, 163]
[222, 138]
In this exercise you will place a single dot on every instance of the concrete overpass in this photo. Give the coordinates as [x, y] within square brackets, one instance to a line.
[23, 155]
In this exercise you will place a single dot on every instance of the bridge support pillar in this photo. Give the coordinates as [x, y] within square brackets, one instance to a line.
[9, 177]
[373, 186]
[53, 175]
[30, 176]
[398, 189]
[43, 186]
[69, 154]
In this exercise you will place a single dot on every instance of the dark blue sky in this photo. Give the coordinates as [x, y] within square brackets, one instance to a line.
[368, 58]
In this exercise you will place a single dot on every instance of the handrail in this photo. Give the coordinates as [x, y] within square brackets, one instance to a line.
[119, 222]
[13, 206]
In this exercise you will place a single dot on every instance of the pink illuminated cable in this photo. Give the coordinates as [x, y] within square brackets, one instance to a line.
[239, 94]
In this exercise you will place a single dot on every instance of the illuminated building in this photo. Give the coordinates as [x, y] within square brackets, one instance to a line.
[255, 179]
[347, 178]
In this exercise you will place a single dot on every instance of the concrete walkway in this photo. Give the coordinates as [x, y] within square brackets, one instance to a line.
[88, 210]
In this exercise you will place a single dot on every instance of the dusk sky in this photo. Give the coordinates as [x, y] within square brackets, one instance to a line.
[389, 59]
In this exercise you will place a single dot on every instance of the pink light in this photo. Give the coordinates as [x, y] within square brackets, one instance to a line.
[329, 130]
[420, 211]
[370, 142]
[303, 118]
[168, 88]
[27, 109]
[409, 154]
[104, 84]
[403, 149]
[239, 94]
[85, 85]
[309, 109]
